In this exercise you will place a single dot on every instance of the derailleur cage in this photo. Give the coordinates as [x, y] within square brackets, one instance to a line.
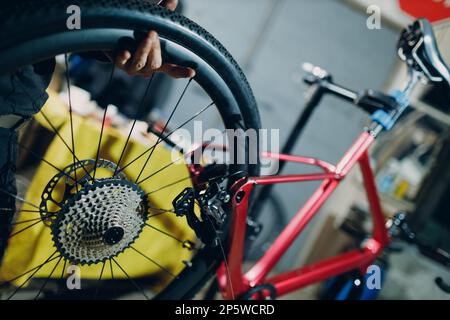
[212, 214]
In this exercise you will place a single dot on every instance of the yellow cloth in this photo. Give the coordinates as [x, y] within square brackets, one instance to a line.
[32, 247]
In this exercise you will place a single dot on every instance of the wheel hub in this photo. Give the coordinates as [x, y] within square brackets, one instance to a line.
[113, 235]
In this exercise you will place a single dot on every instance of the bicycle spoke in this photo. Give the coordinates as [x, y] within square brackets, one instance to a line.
[48, 278]
[45, 161]
[160, 209]
[28, 279]
[53, 127]
[168, 185]
[134, 122]
[225, 258]
[168, 165]
[61, 277]
[111, 269]
[111, 76]
[160, 170]
[99, 280]
[66, 60]
[64, 142]
[112, 275]
[34, 219]
[25, 221]
[18, 198]
[158, 214]
[24, 229]
[131, 280]
[63, 273]
[153, 261]
[179, 181]
[20, 276]
[164, 129]
[167, 136]
[165, 233]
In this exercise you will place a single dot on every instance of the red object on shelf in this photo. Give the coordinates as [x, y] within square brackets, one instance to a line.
[433, 10]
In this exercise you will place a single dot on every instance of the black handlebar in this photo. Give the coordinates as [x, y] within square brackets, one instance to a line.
[367, 100]
[328, 86]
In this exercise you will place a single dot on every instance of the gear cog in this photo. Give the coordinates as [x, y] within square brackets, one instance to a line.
[99, 221]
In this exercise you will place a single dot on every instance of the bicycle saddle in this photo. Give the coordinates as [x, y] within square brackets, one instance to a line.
[418, 48]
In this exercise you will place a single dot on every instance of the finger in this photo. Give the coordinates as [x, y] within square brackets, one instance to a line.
[142, 53]
[170, 4]
[155, 57]
[177, 72]
[122, 59]
[154, 61]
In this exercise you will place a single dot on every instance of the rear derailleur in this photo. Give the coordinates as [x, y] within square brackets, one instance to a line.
[207, 226]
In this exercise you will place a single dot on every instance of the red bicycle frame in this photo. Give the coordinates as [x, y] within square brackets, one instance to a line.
[233, 282]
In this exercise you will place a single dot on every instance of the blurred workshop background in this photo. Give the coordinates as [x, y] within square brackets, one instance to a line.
[271, 39]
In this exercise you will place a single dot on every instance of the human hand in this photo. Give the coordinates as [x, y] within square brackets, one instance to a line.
[147, 58]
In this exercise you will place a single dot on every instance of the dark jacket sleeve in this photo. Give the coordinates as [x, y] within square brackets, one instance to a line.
[23, 92]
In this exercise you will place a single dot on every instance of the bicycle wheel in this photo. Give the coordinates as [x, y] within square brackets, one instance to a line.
[35, 31]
